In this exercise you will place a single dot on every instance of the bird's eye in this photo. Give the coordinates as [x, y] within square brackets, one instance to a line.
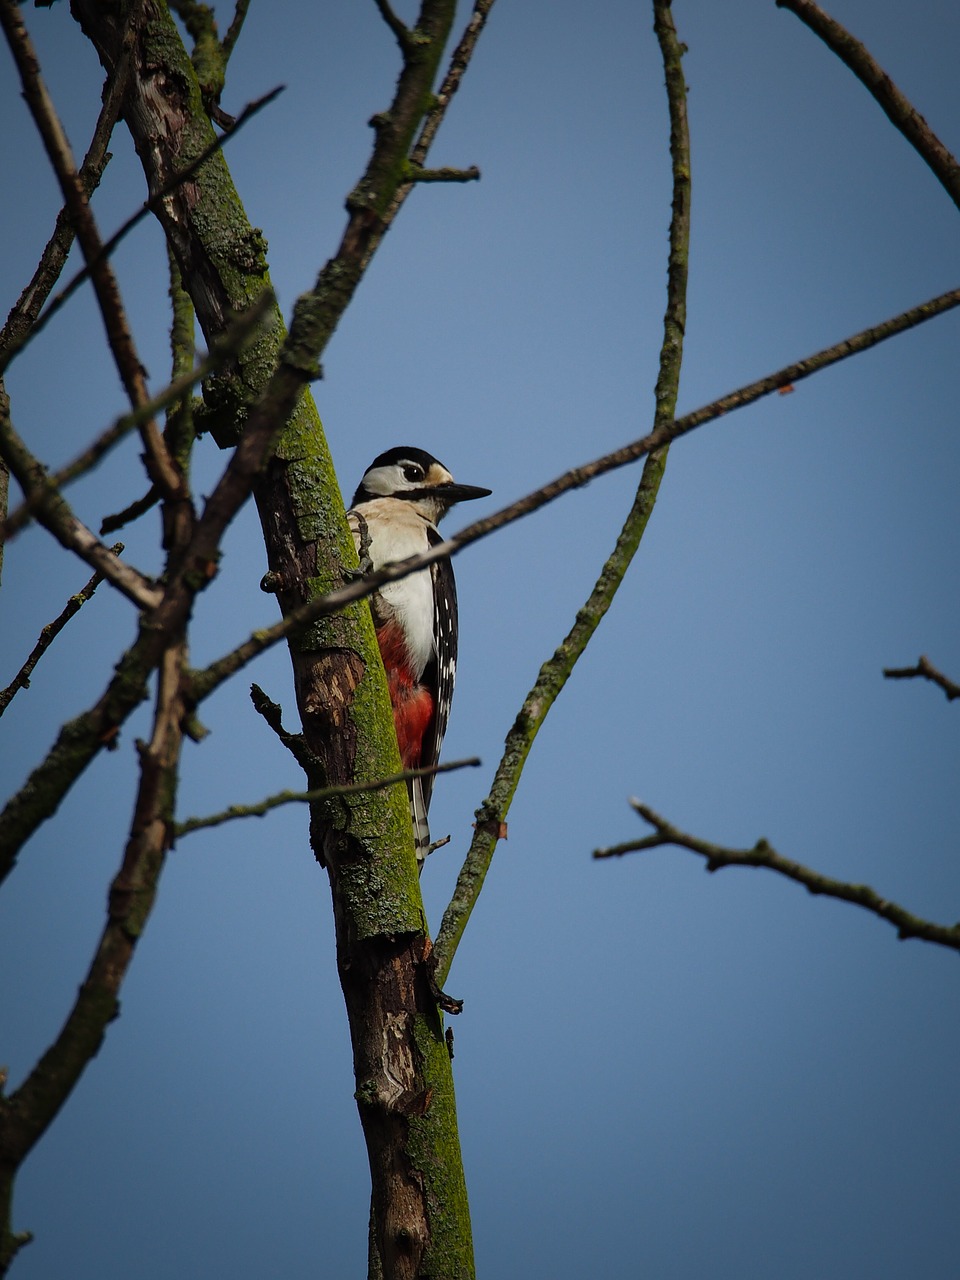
[412, 472]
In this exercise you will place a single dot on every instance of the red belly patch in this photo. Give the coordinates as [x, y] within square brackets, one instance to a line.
[412, 703]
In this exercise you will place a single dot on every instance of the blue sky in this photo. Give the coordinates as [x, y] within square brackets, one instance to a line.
[659, 1072]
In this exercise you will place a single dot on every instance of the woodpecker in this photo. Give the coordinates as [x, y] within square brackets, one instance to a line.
[403, 496]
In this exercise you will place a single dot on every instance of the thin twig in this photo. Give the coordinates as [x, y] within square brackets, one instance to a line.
[49, 633]
[927, 671]
[310, 797]
[443, 175]
[459, 61]
[764, 855]
[272, 714]
[26, 309]
[149, 206]
[393, 22]
[132, 511]
[898, 109]
[234, 29]
[180, 429]
[490, 825]
[82, 738]
[159, 464]
[23, 314]
[233, 340]
[36, 1102]
[4, 485]
[54, 513]
[213, 676]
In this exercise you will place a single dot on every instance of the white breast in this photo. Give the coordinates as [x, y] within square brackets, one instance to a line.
[396, 532]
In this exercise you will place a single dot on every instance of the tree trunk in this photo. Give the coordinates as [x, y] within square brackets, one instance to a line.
[403, 1072]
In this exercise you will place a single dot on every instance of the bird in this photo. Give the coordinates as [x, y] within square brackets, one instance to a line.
[403, 496]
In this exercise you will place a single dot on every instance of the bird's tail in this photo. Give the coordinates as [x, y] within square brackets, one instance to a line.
[421, 828]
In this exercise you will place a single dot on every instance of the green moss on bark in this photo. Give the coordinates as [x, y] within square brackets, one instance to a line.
[434, 1150]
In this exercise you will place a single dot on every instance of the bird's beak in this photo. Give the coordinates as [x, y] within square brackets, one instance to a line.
[451, 493]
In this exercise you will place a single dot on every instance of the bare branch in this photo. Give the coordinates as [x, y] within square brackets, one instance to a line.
[4, 485]
[160, 466]
[179, 430]
[157, 198]
[373, 202]
[78, 742]
[898, 109]
[211, 55]
[53, 512]
[401, 31]
[927, 671]
[222, 351]
[764, 855]
[49, 633]
[308, 797]
[272, 714]
[490, 826]
[233, 31]
[443, 175]
[133, 511]
[27, 1113]
[459, 61]
[83, 737]
[26, 309]
[149, 206]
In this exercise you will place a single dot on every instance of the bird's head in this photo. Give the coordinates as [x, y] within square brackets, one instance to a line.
[416, 477]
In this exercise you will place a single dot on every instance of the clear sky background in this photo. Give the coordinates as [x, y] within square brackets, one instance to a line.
[659, 1072]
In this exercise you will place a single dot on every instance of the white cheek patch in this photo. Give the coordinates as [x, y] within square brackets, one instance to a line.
[383, 480]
